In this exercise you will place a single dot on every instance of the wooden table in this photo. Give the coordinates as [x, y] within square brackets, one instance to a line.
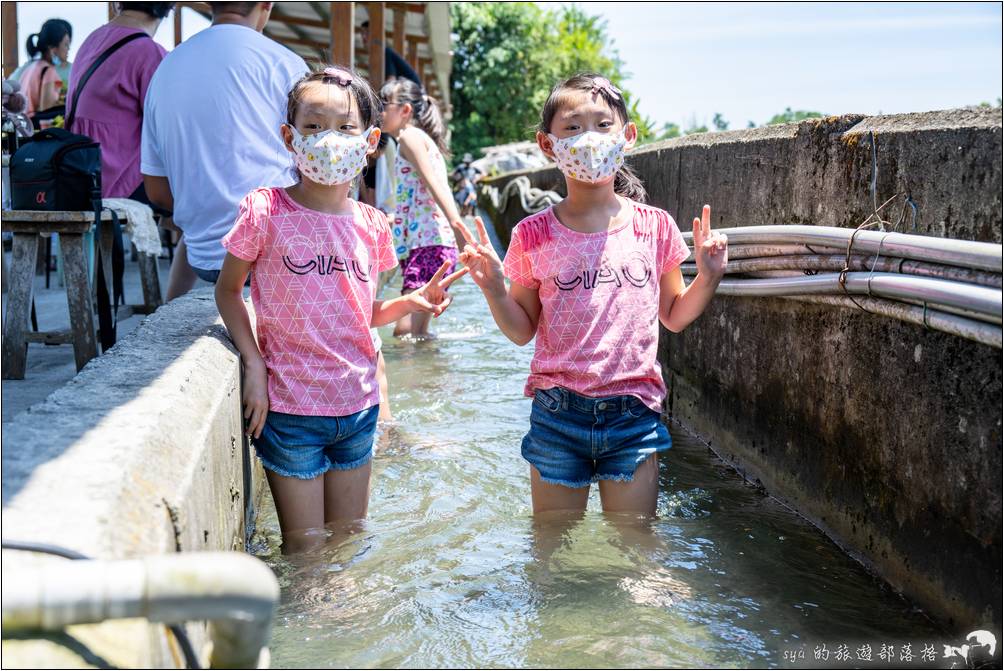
[27, 226]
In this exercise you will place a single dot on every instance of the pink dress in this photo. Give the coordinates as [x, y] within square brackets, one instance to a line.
[313, 284]
[110, 110]
[598, 332]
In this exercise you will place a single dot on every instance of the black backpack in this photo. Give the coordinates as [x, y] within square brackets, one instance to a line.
[59, 170]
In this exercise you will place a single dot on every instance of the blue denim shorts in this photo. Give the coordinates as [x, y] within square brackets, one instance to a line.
[576, 440]
[305, 446]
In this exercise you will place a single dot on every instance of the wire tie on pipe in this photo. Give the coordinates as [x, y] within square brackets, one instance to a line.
[926, 324]
[913, 206]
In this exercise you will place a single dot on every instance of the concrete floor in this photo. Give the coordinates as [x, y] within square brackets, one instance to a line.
[50, 367]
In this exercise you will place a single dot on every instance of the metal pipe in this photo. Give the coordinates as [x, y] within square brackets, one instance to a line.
[964, 253]
[234, 591]
[969, 314]
[983, 333]
[886, 285]
[858, 262]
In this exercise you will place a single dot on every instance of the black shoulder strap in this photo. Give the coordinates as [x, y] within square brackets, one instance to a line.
[41, 82]
[71, 112]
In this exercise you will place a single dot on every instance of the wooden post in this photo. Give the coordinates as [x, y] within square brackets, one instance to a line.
[342, 33]
[412, 53]
[399, 17]
[10, 38]
[177, 24]
[378, 42]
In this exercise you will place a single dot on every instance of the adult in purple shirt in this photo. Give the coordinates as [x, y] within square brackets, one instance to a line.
[110, 109]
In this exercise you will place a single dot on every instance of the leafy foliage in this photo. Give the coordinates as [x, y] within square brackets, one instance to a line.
[507, 56]
[787, 116]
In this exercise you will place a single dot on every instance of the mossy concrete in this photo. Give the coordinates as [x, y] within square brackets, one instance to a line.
[141, 454]
[886, 435]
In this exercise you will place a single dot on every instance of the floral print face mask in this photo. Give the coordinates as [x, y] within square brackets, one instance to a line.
[589, 157]
[330, 157]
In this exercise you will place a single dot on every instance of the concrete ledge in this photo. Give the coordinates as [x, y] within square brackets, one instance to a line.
[142, 453]
[886, 435]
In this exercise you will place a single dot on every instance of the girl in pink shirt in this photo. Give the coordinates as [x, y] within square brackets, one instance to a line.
[591, 278]
[311, 395]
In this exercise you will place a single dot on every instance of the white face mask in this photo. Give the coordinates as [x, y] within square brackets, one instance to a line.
[589, 157]
[330, 157]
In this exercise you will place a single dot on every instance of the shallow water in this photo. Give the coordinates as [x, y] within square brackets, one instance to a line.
[451, 570]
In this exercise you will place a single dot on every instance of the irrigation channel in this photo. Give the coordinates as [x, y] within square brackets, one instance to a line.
[451, 569]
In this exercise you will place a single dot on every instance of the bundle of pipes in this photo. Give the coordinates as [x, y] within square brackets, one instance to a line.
[948, 285]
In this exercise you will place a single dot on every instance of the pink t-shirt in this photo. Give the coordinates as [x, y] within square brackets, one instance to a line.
[598, 332]
[41, 74]
[110, 110]
[313, 283]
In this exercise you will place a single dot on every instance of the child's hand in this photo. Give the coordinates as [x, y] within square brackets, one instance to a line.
[433, 297]
[711, 250]
[255, 397]
[483, 262]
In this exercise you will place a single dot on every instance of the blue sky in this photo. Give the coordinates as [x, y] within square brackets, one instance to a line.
[751, 60]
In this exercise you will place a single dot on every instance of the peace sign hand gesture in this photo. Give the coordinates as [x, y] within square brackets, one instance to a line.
[711, 250]
[432, 296]
[484, 264]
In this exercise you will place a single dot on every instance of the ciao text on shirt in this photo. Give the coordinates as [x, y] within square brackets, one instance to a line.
[635, 270]
[329, 264]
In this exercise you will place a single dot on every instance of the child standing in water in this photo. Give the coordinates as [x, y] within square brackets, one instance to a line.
[591, 278]
[427, 226]
[310, 393]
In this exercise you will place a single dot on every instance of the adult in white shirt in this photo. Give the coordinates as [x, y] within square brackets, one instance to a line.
[211, 132]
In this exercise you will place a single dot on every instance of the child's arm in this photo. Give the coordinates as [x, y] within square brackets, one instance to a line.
[517, 309]
[230, 301]
[412, 148]
[432, 297]
[679, 304]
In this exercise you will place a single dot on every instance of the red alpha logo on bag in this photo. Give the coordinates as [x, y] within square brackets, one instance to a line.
[40, 197]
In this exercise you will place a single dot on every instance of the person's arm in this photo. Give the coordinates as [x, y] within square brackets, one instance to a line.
[413, 149]
[158, 190]
[432, 297]
[679, 305]
[230, 301]
[516, 309]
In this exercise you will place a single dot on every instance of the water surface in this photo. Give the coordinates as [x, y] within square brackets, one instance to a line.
[451, 570]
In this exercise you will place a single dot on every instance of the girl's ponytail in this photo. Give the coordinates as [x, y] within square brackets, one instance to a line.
[430, 119]
[425, 109]
[31, 45]
[628, 184]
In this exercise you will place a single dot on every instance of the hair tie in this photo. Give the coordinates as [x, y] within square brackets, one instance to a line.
[338, 76]
[603, 84]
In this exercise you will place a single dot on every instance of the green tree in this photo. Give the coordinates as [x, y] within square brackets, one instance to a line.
[507, 56]
[719, 122]
[787, 116]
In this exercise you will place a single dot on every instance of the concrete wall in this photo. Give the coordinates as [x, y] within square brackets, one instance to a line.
[141, 454]
[884, 434]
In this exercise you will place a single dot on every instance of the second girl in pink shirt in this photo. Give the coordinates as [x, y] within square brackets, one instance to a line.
[591, 278]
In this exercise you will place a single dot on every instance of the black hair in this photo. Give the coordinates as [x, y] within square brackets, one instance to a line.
[158, 10]
[626, 182]
[425, 108]
[52, 33]
[370, 107]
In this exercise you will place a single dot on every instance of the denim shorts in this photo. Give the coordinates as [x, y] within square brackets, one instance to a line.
[305, 446]
[576, 440]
